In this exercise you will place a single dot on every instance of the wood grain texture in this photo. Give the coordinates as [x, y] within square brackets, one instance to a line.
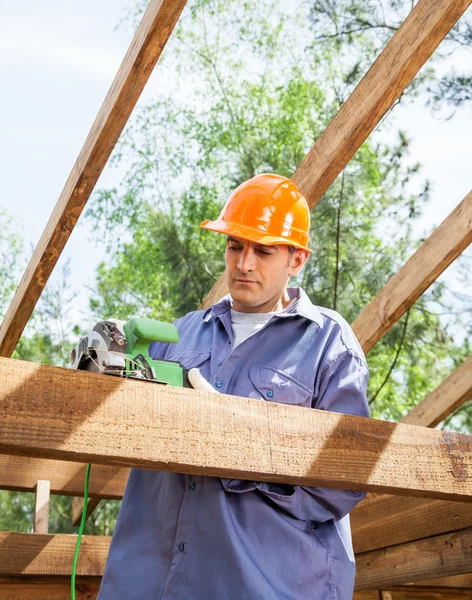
[78, 509]
[41, 506]
[66, 478]
[444, 400]
[36, 554]
[455, 581]
[142, 55]
[63, 414]
[384, 521]
[441, 248]
[408, 593]
[396, 66]
[439, 556]
[48, 588]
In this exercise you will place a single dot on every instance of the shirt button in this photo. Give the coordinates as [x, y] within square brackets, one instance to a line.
[270, 393]
[219, 383]
[192, 486]
[181, 547]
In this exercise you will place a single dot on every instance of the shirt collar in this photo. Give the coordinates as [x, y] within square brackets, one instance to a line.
[302, 307]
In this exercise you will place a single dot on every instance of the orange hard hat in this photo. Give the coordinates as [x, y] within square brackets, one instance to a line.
[267, 209]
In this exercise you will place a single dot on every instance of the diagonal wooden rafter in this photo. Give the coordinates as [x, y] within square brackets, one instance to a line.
[57, 413]
[143, 53]
[441, 248]
[398, 63]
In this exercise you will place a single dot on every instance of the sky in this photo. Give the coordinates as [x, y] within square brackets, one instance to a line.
[57, 61]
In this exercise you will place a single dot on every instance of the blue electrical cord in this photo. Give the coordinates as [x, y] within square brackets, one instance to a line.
[81, 531]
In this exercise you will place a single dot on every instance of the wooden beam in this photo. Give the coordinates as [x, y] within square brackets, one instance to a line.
[142, 55]
[439, 556]
[54, 587]
[41, 507]
[384, 521]
[67, 478]
[35, 554]
[444, 400]
[63, 414]
[455, 581]
[398, 63]
[78, 509]
[442, 247]
[409, 593]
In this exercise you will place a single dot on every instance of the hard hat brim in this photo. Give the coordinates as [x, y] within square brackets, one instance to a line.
[248, 233]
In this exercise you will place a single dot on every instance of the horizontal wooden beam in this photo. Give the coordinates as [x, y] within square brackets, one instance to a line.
[67, 478]
[409, 593]
[35, 554]
[53, 587]
[50, 412]
[455, 581]
[444, 400]
[384, 521]
[398, 63]
[142, 55]
[440, 556]
[441, 248]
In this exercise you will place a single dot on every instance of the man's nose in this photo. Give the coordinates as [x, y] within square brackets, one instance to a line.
[246, 261]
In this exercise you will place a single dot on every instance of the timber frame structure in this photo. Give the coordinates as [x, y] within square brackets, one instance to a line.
[412, 538]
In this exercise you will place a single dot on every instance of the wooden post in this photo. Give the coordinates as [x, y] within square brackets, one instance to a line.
[41, 506]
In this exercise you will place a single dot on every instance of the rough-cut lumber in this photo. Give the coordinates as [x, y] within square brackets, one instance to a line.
[409, 593]
[41, 506]
[48, 588]
[376, 520]
[444, 400]
[385, 521]
[63, 414]
[143, 53]
[439, 556]
[35, 554]
[398, 63]
[78, 509]
[442, 247]
[66, 478]
[455, 581]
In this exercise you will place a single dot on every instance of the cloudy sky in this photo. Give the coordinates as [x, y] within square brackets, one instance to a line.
[57, 60]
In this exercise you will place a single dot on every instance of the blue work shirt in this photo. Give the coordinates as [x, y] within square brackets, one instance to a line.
[186, 537]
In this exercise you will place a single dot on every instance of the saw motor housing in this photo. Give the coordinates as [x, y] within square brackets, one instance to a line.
[121, 348]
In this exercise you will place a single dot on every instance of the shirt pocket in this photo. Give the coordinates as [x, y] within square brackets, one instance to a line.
[276, 386]
[191, 359]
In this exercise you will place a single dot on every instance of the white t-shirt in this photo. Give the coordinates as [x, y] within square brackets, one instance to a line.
[246, 324]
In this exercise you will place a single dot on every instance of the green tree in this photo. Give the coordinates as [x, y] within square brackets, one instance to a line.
[260, 88]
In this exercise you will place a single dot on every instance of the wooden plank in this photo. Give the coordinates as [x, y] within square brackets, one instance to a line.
[384, 521]
[142, 55]
[48, 588]
[396, 66]
[36, 554]
[455, 581]
[78, 508]
[41, 506]
[444, 400]
[409, 593]
[63, 414]
[67, 478]
[441, 248]
[439, 556]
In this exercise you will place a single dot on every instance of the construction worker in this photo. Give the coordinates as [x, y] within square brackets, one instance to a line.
[205, 538]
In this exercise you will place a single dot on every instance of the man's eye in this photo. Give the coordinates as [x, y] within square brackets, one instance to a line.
[234, 248]
[266, 252]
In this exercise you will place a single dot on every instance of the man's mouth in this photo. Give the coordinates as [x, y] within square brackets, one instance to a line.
[245, 281]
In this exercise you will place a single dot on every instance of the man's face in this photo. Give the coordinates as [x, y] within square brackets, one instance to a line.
[257, 274]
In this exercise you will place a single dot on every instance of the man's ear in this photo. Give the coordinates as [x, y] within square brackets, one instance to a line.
[298, 261]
